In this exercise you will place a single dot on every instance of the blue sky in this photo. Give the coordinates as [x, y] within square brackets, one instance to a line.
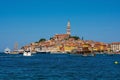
[26, 21]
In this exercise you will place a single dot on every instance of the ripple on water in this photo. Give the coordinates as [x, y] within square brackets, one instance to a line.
[59, 67]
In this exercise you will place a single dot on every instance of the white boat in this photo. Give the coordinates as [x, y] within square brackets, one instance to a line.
[7, 51]
[27, 53]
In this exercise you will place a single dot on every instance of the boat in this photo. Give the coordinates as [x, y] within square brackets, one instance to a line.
[27, 53]
[7, 51]
[15, 51]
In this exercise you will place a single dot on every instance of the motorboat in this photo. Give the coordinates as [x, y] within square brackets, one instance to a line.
[27, 53]
[7, 51]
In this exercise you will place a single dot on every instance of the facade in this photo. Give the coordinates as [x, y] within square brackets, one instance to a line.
[115, 47]
[60, 37]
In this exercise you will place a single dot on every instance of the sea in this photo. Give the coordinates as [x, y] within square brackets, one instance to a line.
[59, 67]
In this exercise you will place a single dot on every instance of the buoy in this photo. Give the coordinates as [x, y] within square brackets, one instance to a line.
[116, 62]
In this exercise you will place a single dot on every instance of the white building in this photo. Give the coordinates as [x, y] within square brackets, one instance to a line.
[115, 47]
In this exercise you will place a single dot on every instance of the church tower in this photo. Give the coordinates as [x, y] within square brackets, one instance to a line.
[68, 28]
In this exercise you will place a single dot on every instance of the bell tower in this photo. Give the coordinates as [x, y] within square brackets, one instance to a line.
[68, 28]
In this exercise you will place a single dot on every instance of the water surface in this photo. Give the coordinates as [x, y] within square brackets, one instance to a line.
[59, 67]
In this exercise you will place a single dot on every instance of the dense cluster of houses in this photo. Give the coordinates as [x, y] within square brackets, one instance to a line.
[64, 43]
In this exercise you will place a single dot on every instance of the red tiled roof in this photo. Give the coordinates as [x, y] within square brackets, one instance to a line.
[115, 43]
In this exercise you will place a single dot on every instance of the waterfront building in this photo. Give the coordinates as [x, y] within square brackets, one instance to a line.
[55, 49]
[25, 47]
[100, 47]
[68, 48]
[108, 48]
[115, 47]
[33, 46]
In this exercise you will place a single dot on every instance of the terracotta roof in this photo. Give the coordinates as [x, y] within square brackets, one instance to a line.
[115, 43]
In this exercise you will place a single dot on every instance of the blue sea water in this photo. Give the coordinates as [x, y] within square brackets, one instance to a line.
[59, 67]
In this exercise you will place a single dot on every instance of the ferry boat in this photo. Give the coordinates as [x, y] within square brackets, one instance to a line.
[7, 51]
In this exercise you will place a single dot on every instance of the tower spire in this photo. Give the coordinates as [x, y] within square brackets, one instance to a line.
[68, 27]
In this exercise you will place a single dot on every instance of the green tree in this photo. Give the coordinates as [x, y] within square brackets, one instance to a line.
[51, 38]
[42, 39]
[75, 37]
[36, 42]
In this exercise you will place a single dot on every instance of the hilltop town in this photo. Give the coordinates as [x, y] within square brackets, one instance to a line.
[66, 43]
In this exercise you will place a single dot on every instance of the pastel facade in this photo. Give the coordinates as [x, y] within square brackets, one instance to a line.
[115, 46]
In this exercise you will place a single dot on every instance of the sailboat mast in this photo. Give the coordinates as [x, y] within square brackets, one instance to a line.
[16, 46]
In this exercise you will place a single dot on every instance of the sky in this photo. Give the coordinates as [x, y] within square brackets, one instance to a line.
[26, 21]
